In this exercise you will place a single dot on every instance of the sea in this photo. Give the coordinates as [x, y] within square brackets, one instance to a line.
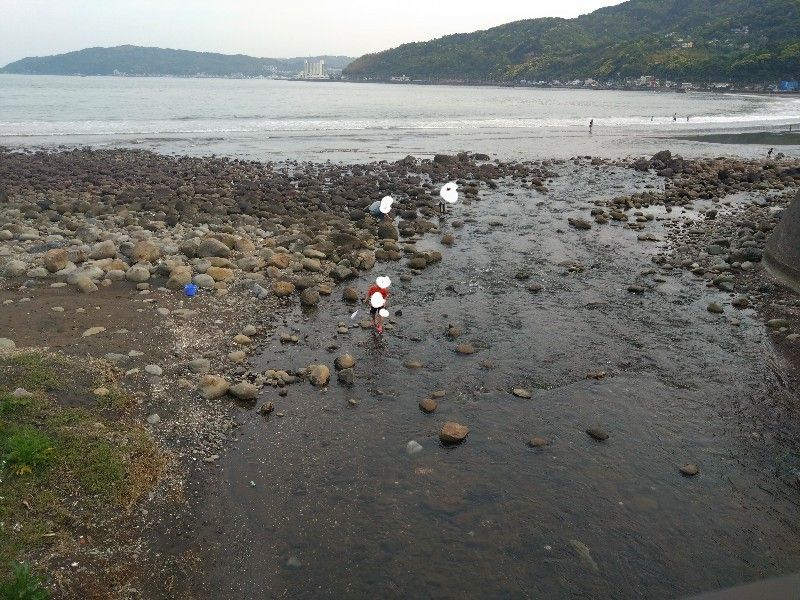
[262, 119]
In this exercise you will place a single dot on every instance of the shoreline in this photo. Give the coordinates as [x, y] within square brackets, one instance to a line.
[444, 83]
[262, 239]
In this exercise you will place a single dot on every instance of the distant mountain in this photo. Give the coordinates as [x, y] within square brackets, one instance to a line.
[704, 40]
[138, 60]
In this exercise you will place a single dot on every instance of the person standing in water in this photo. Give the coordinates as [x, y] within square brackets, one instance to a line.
[674, 117]
[591, 124]
[380, 287]
[769, 154]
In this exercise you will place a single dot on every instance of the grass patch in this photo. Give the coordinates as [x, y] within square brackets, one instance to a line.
[64, 466]
[23, 585]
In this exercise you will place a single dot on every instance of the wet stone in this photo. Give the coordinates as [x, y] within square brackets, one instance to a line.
[428, 405]
[597, 433]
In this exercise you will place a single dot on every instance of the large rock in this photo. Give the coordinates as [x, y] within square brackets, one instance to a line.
[213, 387]
[309, 297]
[179, 277]
[283, 288]
[104, 249]
[453, 433]
[138, 274]
[145, 251]
[387, 231]
[782, 254]
[85, 284]
[345, 361]
[56, 259]
[13, 268]
[213, 247]
[244, 391]
[319, 375]
[220, 273]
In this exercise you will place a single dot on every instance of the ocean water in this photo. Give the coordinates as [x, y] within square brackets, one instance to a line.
[264, 119]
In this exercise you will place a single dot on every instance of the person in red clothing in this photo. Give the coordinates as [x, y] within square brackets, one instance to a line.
[380, 287]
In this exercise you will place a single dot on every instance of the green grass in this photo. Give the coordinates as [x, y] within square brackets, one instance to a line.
[23, 585]
[63, 466]
[27, 450]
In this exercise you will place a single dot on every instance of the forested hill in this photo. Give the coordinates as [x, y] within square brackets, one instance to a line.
[702, 40]
[138, 60]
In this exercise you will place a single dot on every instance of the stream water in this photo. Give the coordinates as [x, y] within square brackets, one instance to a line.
[325, 502]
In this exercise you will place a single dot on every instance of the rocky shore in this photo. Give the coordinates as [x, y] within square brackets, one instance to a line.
[96, 247]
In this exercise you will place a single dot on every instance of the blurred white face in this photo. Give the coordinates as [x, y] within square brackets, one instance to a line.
[386, 204]
[383, 312]
[449, 193]
[383, 282]
[376, 300]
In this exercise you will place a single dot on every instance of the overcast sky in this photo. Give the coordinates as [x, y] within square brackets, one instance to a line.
[263, 28]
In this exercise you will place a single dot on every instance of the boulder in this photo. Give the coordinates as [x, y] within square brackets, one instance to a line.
[213, 247]
[220, 273]
[346, 376]
[309, 297]
[428, 405]
[387, 231]
[782, 254]
[85, 284]
[138, 274]
[453, 433]
[244, 391]
[56, 259]
[213, 386]
[145, 251]
[283, 288]
[344, 361]
[319, 375]
[104, 249]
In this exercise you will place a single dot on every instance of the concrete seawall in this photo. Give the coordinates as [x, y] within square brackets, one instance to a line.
[782, 255]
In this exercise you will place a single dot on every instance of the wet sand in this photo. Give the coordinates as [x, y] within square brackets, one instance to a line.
[605, 328]
[765, 138]
[336, 508]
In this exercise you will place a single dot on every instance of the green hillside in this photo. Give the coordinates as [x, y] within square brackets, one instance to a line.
[702, 40]
[138, 60]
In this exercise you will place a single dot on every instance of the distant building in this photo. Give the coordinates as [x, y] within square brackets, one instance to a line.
[401, 79]
[314, 70]
[789, 86]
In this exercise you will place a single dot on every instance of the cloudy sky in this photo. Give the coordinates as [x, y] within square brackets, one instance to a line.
[265, 28]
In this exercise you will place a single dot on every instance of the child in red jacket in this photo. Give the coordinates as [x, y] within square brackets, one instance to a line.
[377, 298]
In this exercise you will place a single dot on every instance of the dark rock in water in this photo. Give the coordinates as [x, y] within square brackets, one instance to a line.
[309, 297]
[346, 376]
[740, 302]
[535, 288]
[266, 408]
[580, 223]
[387, 231]
[636, 289]
[782, 255]
[599, 434]
[522, 275]
[453, 433]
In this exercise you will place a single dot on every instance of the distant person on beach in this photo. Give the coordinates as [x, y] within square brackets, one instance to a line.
[769, 154]
[651, 119]
[380, 287]
[674, 117]
[591, 124]
[687, 118]
[380, 209]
